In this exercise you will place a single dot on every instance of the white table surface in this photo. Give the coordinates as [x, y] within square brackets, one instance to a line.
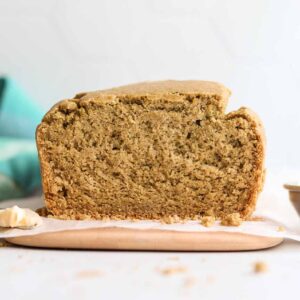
[61, 274]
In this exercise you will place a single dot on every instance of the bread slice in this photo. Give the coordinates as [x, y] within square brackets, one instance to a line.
[149, 151]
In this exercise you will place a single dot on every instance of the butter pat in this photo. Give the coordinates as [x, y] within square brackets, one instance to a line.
[16, 217]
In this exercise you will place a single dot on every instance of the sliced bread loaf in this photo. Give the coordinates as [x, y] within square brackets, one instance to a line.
[149, 151]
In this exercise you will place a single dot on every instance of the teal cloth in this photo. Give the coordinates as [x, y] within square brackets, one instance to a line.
[19, 165]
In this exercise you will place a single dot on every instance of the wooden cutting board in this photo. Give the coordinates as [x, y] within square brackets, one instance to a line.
[157, 240]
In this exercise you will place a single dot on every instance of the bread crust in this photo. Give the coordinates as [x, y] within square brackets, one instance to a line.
[162, 88]
[154, 90]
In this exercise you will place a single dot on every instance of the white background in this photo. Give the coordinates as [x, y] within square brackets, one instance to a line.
[54, 49]
[37, 274]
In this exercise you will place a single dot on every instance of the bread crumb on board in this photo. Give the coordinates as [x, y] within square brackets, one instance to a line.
[172, 270]
[232, 220]
[208, 221]
[280, 228]
[260, 267]
[171, 220]
[42, 212]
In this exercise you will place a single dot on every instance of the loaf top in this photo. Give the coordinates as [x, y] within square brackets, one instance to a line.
[168, 90]
[166, 87]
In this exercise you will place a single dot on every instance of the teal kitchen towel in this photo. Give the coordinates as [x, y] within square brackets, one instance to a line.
[19, 166]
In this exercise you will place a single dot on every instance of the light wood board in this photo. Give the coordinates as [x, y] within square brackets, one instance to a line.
[156, 240]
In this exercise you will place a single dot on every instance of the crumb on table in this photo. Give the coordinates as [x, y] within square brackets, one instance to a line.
[210, 279]
[260, 267]
[176, 258]
[190, 281]
[172, 270]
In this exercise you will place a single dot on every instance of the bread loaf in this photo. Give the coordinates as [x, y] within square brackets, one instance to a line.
[149, 151]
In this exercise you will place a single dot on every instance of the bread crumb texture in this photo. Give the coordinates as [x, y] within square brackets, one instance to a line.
[208, 221]
[260, 267]
[171, 219]
[233, 219]
[156, 150]
[42, 212]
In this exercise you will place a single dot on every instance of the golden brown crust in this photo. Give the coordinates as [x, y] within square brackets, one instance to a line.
[43, 166]
[168, 89]
[162, 88]
[154, 90]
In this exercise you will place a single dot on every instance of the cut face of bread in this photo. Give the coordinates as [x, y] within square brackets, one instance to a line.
[149, 151]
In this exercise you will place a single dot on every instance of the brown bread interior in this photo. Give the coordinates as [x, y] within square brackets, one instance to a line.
[142, 158]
